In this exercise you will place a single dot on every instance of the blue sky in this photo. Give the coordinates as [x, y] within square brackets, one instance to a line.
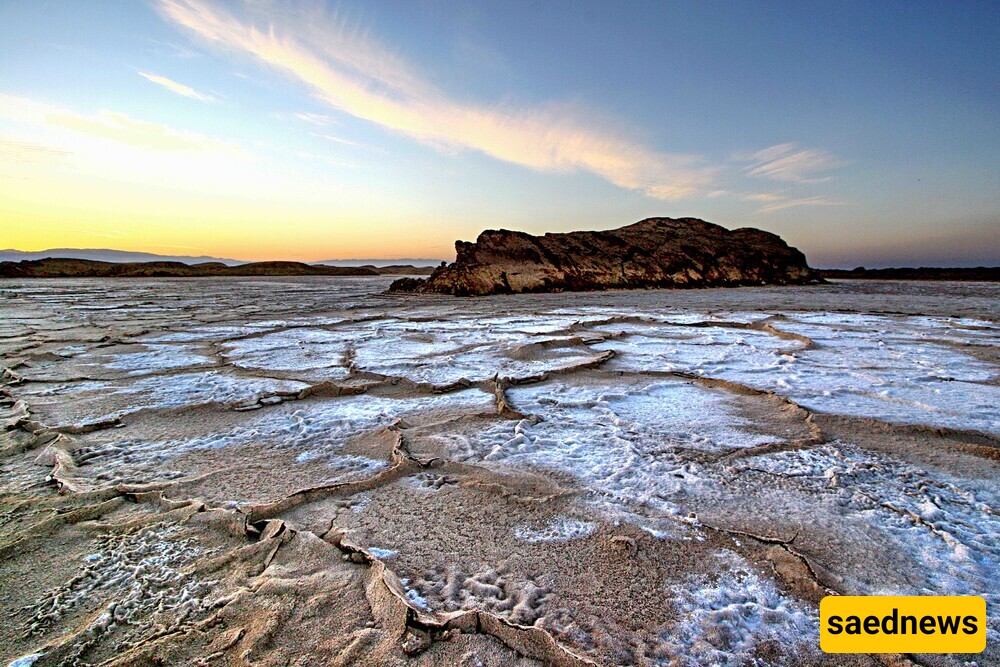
[863, 133]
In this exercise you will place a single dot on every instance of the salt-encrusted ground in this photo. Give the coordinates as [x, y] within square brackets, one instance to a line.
[305, 471]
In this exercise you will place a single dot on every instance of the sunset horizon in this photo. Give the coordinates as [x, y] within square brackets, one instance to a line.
[307, 132]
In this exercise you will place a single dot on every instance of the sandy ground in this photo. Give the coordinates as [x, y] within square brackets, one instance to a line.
[303, 471]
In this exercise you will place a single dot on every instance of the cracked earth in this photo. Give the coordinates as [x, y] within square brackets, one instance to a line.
[307, 471]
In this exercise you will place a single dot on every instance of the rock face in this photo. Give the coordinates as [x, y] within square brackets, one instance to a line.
[656, 252]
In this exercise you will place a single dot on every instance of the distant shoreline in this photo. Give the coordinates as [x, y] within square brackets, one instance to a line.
[57, 267]
[974, 274]
[85, 268]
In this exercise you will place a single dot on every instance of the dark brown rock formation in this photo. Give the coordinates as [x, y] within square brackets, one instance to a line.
[657, 252]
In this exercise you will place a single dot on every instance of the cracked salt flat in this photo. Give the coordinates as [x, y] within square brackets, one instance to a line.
[155, 358]
[205, 333]
[90, 401]
[442, 353]
[476, 365]
[301, 349]
[318, 430]
[865, 365]
[624, 443]
[701, 351]
[667, 316]
[723, 616]
[882, 369]
[66, 363]
[949, 534]
[549, 325]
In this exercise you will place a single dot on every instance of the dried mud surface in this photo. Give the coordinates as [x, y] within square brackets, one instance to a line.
[304, 471]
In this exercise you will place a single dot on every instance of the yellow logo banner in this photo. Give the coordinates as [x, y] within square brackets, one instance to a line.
[902, 624]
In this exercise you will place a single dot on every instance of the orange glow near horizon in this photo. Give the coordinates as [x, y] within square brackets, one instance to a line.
[229, 239]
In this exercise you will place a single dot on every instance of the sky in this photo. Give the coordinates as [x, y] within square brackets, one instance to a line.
[863, 133]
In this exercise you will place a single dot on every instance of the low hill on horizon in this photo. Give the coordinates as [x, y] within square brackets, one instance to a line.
[971, 274]
[108, 255]
[84, 268]
[134, 257]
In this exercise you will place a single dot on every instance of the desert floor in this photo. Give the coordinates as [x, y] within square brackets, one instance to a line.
[303, 471]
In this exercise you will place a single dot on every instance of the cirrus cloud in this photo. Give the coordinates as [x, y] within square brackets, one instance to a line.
[787, 162]
[179, 88]
[354, 74]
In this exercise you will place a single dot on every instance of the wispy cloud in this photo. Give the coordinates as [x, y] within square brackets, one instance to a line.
[347, 142]
[104, 125]
[121, 128]
[335, 139]
[314, 118]
[764, 197]
[354, 74]
[23, 152]
[174, 50]
[179, 88]
[781, 203]
[787, 162]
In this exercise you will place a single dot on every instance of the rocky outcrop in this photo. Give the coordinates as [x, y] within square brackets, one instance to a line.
[657, 252]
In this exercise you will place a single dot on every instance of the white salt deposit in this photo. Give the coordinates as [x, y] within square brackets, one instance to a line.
[293, 350]
[625, 443]
[317, 429]
[414, 596]
[946, 531]
[723, 616]
[88, 402]
[158, 357]
[206, 333]
[895, 369]
[445, 352]
[141, 572]
[26, 661]
[560, 529]
[880, 367]
[381, 554]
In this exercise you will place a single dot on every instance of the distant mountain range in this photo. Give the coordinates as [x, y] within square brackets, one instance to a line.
[128, 257]
[105, 255]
